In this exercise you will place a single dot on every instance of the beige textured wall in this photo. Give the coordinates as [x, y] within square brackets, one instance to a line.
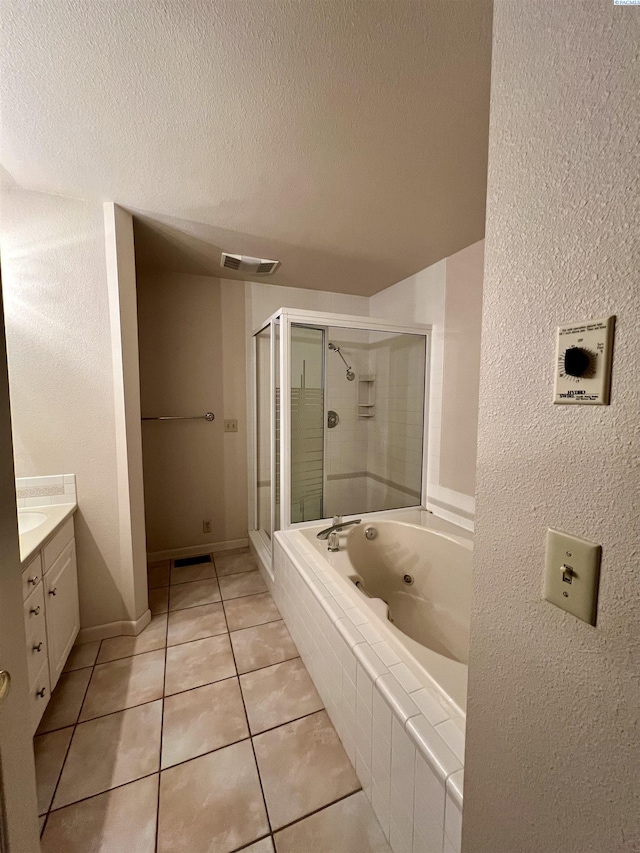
[461, 369]
[553, 753]
[192, 360]
[60, 373]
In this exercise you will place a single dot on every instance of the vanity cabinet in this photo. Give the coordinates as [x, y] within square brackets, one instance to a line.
[61, 607]
[51, 615]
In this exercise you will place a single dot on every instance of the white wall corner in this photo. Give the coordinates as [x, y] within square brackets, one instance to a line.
[121, 285]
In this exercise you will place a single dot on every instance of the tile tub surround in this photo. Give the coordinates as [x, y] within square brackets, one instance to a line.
[159, 743]
[405, 739]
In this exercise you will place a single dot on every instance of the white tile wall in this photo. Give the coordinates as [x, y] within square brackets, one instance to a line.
[45, 491]
[404, 739]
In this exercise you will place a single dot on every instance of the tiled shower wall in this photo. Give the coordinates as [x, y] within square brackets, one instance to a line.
[394, 446]
[375, 463]
[404, 740]
[346, 444]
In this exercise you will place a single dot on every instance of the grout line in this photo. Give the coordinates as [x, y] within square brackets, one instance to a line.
[164, 681]
[106, 791]
[288, 722]
[75, 726]
[258, 668]
[253, 749]
[255, 841]
[258, 625]
[321, 809]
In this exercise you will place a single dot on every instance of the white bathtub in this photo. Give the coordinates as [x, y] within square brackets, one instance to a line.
[395, 691]
[430, 615]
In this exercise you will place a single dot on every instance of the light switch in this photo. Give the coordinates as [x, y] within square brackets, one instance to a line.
[231, 425]
[572, 574]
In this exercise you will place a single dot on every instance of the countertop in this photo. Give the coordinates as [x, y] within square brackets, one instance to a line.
[34, 540]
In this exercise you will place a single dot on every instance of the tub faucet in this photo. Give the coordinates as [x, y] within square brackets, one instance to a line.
[324, 534]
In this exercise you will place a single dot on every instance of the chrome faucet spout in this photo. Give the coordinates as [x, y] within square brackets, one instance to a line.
[324, 534]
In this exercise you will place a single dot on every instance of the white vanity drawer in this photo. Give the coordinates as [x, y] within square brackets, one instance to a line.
[31, 576]
[36, 632]
[39, 695]
[57, 545]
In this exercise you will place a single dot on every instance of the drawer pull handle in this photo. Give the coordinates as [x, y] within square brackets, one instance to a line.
[53, 591]
[34, 580]
[40, 693]
[37, 647]
[35, 610]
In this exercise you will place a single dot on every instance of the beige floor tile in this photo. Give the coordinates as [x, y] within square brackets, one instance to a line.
[153, 637]
[202, 720]
[111, 751]
[196, 623]
[159, 600]
[82, 656]
[124, 683]
[49, 751]
[262, 645]
[199, 572]
[201, 662]
[349, 826]
[250, 610]
[232, 564]
[113, 822]
[158, 576]
[265, 845]
[65, 703]
[279, 694]
[213, 803]
[193, 594]
[303, 767]
[248, 583]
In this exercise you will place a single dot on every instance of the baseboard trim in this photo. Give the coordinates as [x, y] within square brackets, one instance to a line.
[122, 628]
[194, 550]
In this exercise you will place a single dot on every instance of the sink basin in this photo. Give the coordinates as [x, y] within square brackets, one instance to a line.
[29, 520]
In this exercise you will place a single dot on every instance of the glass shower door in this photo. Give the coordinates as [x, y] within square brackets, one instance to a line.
[307, 423]
[263, 430]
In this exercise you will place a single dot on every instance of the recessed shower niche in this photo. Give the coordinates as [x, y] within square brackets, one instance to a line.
[339, 418]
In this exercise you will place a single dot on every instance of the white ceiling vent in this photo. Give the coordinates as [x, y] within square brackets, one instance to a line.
[243, 263]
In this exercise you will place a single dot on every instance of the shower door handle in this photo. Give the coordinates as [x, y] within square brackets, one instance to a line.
[332, 419]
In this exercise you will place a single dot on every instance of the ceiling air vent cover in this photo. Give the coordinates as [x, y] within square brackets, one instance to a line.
[243, 263]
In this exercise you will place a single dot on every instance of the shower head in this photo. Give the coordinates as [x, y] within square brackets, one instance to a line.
[350, 374]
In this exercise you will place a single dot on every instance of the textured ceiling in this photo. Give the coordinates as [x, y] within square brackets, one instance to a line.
[347, 138]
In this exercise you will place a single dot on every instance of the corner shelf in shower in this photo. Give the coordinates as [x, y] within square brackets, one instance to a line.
[366, 397]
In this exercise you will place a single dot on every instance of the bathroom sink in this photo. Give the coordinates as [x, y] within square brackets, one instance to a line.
[29, 520]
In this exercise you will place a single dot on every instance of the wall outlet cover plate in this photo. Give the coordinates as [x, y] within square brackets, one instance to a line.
[583, 363]
[572, 574]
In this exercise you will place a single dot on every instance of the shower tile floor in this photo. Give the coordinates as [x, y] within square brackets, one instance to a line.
[203, 734]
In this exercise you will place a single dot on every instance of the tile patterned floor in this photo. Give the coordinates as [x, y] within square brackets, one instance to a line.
[203, 734]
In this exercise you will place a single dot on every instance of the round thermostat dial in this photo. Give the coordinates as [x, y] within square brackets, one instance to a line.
[577, 361]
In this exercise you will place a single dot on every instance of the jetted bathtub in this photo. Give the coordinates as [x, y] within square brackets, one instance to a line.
[417, 582]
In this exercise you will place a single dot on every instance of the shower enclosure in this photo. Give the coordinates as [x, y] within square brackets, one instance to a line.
[339, 418]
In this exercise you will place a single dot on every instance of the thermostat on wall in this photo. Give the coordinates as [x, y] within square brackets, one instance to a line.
[583, 363]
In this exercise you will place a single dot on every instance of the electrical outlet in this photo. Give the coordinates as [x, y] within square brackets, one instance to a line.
[231, 426]
[206, 527]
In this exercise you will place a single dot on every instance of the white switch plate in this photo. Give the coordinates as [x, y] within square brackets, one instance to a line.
[595, 337]
[231, 425]
[572, 574]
